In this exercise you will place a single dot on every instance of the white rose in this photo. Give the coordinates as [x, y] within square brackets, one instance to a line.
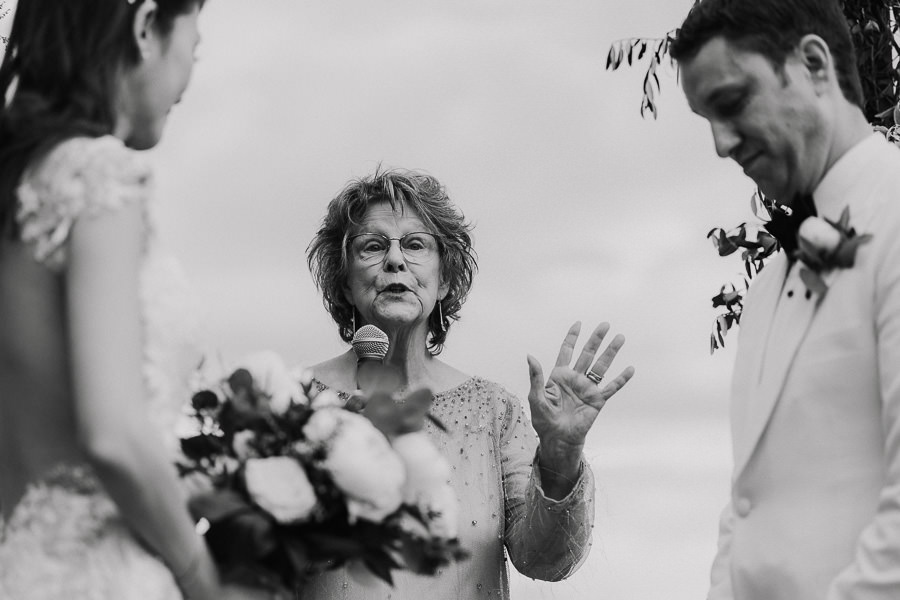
[426, 469]
[280, 487]
[241, 444]
[360, 460]
[819, 234]
[272, 377]
[427, 483]
[322, 426]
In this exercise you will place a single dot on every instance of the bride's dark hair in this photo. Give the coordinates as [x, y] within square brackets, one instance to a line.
[58, 78]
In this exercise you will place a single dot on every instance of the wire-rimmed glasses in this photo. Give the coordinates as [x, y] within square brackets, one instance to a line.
[416, 246]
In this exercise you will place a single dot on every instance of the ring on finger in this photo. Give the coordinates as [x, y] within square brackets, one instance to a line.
[594, 377]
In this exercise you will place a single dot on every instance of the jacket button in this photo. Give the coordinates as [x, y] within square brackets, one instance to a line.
[743, 506]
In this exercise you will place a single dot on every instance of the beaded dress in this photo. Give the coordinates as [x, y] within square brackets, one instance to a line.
[65, 538]
[491, 449]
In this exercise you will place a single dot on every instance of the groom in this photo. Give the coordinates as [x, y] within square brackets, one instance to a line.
[815, 401]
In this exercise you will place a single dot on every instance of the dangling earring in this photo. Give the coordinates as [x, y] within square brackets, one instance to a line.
[441, 317]
[353, 320]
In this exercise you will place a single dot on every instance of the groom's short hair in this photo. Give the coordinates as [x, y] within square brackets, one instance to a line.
[772, 28]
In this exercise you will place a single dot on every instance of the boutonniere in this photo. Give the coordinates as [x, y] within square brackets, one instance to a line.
[823, 246]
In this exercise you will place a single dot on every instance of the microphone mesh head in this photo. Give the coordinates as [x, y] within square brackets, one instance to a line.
[370, 342]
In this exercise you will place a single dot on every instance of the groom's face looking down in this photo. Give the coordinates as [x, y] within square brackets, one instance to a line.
[769, 118]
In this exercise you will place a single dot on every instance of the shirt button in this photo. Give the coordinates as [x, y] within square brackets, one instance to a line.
[743, 506]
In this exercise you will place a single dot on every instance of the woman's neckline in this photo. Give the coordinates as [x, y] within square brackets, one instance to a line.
[447, 392]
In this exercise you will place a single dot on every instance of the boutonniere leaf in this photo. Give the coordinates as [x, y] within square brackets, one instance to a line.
[843, 223]
[813, 282]
[845, 257]
[823, 246]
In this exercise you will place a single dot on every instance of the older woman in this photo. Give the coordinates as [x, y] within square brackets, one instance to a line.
[394, 252]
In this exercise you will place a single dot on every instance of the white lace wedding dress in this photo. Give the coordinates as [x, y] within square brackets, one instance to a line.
[65, 538]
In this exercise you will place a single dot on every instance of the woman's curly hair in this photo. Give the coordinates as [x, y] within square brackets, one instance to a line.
[403, 190]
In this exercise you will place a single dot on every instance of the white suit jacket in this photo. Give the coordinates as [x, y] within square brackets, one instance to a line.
[815, 409]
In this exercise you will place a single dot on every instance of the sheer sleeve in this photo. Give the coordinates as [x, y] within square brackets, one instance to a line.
[546, 539]
[78, 178]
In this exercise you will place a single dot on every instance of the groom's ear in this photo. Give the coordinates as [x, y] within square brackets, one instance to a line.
[816, 57]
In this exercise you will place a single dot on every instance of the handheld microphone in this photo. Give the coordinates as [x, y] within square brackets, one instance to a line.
[370, 344]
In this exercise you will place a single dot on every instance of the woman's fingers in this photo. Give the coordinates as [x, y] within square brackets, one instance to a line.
[611, 388]
[590, 348]
[589, 351]
[605, 360]
[568, 345]
[536, 376]
[597, 396]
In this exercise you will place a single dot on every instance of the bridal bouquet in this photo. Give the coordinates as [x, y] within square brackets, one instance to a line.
[301, 484]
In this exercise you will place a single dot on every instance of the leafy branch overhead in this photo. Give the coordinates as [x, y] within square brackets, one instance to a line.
[874, 28]
[633, 50]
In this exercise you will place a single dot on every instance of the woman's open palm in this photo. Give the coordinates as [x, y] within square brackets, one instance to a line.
[564, 408]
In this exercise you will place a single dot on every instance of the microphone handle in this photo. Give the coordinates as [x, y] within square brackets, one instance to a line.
[373, 376]
[366, 373]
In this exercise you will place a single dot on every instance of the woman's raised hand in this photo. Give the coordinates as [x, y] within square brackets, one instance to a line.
[564, 408]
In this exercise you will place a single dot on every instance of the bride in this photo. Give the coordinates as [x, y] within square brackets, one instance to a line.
[95, 328]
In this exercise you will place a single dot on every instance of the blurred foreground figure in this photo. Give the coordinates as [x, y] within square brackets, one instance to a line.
[94, 332]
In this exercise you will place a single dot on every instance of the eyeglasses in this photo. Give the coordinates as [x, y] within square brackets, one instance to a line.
[417, 246]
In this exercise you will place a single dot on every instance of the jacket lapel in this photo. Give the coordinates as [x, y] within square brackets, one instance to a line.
[780, 325]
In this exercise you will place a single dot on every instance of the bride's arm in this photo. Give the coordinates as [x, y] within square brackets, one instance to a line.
[105, 340]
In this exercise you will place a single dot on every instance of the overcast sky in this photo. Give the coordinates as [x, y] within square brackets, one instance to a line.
[583, 210]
